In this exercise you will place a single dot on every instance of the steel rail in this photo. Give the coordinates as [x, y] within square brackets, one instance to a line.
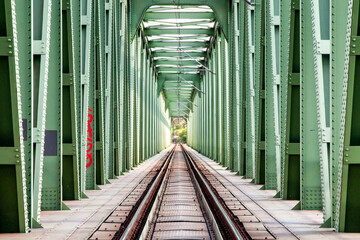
[228, 227]
[256, 203]
[134, 227]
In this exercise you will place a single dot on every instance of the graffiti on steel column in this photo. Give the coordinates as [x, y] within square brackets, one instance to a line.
[89, 144]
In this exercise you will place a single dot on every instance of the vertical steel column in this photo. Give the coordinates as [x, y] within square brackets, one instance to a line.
[211, 109]
[99, 112]
[226, 101]
[215, 106]
[108, 90]
[290, 98]
[24, 19]
[241, 88]
[122, 76]
[144, 76]
[51, 189]
[272, 91]
[348, 197]
[321, 56]
[249, 86]
[154, 90]
[139, 53]
[207, 113]
[131, 103]
[88, 87]
[71, 84]
[147, 106]
[13, 203]
[259, 82]
[313, 134]
[220, 108]
[341, 20]
[236, 87]
[40, 60]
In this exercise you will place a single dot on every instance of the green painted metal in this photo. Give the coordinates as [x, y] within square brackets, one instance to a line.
[109, 93]
[236, 89]
[315, 154]
[259, 91]
[348, 165]
[340, 37]
[268, 90]
[14, 207]
[138, 9]
[70, 85]
[51, 187]
[63, 78]
[272, 93]
[25, 63]
[290, 95]
[292, 108]
[249, 90]
[88, 151]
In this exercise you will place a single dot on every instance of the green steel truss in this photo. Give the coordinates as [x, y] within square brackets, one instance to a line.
[294, 122]
[79, 107]
[268, 88]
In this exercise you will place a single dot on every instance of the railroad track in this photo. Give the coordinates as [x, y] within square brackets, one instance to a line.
[180, 199]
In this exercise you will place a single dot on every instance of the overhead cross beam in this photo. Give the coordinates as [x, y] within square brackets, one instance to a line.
[139, 7]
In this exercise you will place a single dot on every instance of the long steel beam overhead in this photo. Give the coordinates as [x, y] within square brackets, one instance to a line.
[196, 32]
[182, 44]
[177, 54]
[171, 24]
[173, 15]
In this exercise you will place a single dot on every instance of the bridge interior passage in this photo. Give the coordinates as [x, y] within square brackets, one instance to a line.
[268, 89]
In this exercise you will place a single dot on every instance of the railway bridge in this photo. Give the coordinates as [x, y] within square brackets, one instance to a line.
[92, 92]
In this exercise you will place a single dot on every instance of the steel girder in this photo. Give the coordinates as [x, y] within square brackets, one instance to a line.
[209, 124]
[249, 59]
[14, 206]
[259, 94]
[294, 116]
[290, 98]
[71, 96]
[177, 51]
[70, 99]
[89, 116]
[139, 7]
[272, 92]
[315, 65]
[66, 101]
[46, 33]
[346, 161]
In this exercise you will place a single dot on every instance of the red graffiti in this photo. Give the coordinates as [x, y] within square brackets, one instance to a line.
[89, 159]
